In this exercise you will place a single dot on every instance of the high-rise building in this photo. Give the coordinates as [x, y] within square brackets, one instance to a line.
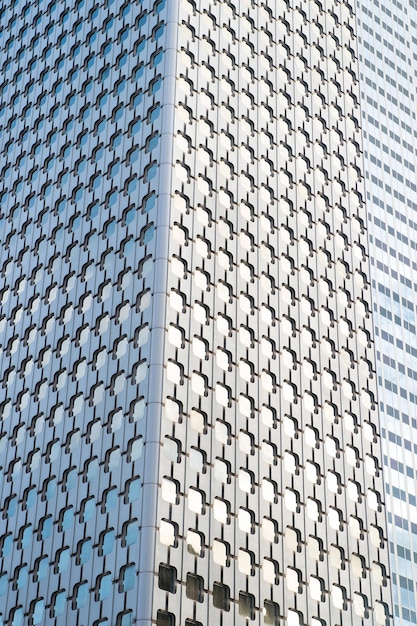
[388, 73]
[189, 425]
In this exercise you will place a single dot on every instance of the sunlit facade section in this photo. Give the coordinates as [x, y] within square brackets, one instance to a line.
[271, 502]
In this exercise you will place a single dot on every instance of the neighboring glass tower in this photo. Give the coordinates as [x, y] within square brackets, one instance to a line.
[388, 79]
[189, 427]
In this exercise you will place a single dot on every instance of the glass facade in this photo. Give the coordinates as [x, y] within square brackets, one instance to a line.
[82, 95]
[189, 427]
[387, 45]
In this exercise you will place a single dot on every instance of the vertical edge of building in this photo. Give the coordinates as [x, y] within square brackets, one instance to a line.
[157, 365]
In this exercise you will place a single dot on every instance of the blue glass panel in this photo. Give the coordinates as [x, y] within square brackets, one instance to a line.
[160, 6]
[47, 528]
[31, 498]
[129, 577]
[130, 215]
[51, 489]
[86, 551]
[27, 536]
[112, 198]
[150, 203]
[148, 234]
[89, 509]
[64, 560]
[128, 247]
[12, 506]
[71, 479]
[158, 58]
[127, 619]
[156, 85]
[38, 612]
[159, 31]
[108, 542]
[43, 568]
[92, 469]
[17, 617]
[138, 75]
[136, 127]
[110, 228]
[141, 46]
[132, 533]
[68, 519]
[105, 586]
[7, 542]
[134, 490]
[82, 596]
[115, 169]
[22, 577]
[122, 60]
[111, 500]
[155, 113]
[132, 186]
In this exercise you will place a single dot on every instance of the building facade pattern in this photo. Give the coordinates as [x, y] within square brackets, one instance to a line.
[271, 488]
[81, 108]
[388, 39]
[183, 230]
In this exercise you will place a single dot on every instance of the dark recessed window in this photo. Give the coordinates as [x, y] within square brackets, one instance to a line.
[195, 587]
[167, 578]
[246, 605]
[221, 596]
[163, 618]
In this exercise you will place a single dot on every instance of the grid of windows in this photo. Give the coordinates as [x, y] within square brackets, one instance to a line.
[80, 116]
[271, 502]
[388, 35]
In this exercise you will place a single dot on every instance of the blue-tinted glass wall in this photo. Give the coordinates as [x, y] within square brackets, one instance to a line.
[80, 116]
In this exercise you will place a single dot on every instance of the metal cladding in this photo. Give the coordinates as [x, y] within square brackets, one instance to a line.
[189, 422]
